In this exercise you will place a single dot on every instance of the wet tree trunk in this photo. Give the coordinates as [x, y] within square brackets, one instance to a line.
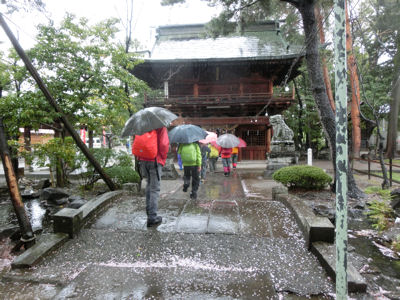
[327, 117]
[355, 91]
[28, 237]
[27, 144]
[323, 60]
[300, 116]
[59, 163]
[393, 120]
[90, 139]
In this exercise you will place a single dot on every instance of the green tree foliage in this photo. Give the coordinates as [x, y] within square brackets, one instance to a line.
[21, 105]
[16, 5]
[84, 66]
[56, 153]
[379, 212]
[85, 69]
[303, 117]
[117, 164]
[377, 37]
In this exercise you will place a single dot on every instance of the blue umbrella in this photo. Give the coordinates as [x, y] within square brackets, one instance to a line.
[185, 134]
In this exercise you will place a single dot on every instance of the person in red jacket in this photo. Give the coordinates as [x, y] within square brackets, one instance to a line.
[226, 160]
[151, 169]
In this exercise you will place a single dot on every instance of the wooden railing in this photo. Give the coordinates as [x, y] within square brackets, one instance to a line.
[372, 173]
[220, 99]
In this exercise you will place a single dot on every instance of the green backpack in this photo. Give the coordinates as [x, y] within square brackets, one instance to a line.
[214, 152]
[188, 154]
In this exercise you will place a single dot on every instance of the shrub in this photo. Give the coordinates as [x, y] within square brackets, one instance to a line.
[122, 174]
[396, 244]
[118, 165]
[306, 177]
[379, 213]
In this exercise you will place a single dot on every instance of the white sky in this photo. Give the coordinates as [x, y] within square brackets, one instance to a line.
[148, 14]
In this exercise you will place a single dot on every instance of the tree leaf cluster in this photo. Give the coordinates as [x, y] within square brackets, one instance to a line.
[85, 69]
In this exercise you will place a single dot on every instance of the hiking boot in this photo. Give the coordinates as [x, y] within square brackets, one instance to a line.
[185, 187]
[154, 222]
[193, 195]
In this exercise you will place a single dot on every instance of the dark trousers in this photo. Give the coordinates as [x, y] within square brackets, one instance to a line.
[191, 172]
[152, 172]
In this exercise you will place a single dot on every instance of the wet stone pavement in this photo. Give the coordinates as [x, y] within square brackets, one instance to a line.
[233, 242]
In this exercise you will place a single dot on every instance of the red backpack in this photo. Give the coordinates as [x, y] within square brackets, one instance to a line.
[145, 145]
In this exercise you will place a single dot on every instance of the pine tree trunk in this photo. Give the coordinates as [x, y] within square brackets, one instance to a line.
[323, 60]
[355, 91]
[393, 120]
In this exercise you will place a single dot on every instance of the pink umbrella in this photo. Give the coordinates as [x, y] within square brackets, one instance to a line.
[242, 143]
[211, 137]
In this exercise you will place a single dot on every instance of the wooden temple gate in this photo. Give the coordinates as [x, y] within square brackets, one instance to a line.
[224, 84]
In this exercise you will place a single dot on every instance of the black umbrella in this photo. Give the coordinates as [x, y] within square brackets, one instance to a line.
[228, 140]
[186, 134]
[148, 119]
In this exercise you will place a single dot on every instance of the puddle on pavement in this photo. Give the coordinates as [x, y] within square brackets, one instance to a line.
[20, 290]
[170, 282]
[34, 209]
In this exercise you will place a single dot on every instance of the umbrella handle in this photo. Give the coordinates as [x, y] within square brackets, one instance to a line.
[138, 168]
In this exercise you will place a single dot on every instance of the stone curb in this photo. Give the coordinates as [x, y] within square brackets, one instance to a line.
[46, 243]
[67, 223]
[70, 221]
[319, 233]
[326, 255]
[315, 228]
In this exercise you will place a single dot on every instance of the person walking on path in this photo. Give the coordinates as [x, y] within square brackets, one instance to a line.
[226, 154]
[235, 153]
[213, 157]
[191, 160]
[205, 153]
[156, 142]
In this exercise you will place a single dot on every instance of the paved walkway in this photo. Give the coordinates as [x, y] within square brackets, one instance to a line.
[234, 242]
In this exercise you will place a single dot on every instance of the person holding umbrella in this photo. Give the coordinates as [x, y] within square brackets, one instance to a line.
[213, 157]
[150, 146]
[227, 141]
[188, 135]
[235, 153]
[226, 154]
[191, 160]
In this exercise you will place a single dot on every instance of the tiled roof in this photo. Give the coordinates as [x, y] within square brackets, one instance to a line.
[254, 44]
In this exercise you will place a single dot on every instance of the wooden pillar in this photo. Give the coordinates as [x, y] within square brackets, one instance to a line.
[196, 90]
[268, 139]
[270, 87]
[293, 92]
